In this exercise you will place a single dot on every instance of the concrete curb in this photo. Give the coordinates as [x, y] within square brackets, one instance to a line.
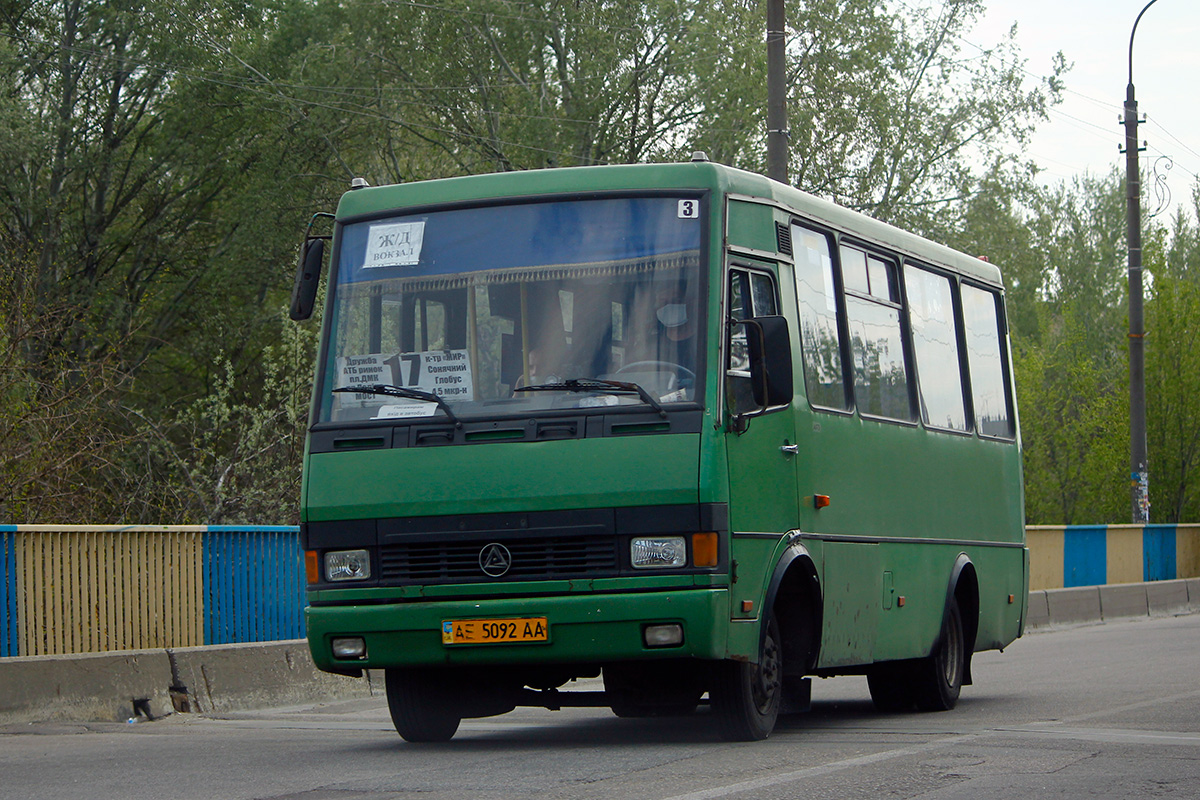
[1050, 608]
[148, 684]
[240, 676]
[89, 686]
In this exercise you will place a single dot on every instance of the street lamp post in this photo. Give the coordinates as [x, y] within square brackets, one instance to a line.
[1139, 469]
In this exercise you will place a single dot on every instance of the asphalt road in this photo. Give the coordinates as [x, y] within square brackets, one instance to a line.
[1107, 711]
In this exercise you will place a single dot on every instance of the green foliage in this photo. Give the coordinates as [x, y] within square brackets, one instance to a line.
[159, 161]
[995, 223]
[914, 114]
[61, 420]
[1173, 375]
[1073, 423]
[234, 455]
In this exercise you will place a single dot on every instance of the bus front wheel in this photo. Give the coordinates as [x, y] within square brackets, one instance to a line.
[746, 697]
[422, 705]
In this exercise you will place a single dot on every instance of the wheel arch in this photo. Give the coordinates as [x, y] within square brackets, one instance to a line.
[793, 597]
[964, 588]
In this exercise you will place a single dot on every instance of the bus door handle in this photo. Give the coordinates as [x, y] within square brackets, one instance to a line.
[789, 449]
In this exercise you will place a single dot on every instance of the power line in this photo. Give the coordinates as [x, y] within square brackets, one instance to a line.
[1176, 139]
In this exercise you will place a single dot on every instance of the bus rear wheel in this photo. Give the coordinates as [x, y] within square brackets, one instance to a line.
[422, 705]
[746, 697]
[932, 683]
[938, 678]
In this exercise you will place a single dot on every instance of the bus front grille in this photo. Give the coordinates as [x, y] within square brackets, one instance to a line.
[540, 558]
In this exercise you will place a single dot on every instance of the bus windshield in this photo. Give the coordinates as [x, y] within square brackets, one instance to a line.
[474, 304]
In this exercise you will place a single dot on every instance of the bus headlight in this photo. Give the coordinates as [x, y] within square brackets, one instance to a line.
[347, 565]
[658, 552]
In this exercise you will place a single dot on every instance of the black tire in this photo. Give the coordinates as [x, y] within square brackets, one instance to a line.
[937, 680]
[746, 697]
[891, 686]
[422, 705]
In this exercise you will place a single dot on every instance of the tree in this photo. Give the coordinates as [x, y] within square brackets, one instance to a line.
[61, 420]
[889, 117]
[1173, 373]
[1004, 222]
[158, 162]
[1073, 430]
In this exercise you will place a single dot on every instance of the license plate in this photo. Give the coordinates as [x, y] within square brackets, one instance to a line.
[495, 631]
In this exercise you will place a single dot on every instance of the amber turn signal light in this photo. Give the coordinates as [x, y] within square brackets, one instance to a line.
[704, 549]
[311, 570]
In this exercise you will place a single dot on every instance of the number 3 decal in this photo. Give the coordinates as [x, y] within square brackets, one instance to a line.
[689, 209]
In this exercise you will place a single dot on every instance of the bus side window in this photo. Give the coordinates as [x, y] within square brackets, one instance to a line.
[762, 295]
[876, 343]
[985, 361]
[824, 376]
[751, 294]
[935, 348]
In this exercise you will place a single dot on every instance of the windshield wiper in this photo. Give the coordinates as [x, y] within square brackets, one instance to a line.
[597, 385]
[401, 391]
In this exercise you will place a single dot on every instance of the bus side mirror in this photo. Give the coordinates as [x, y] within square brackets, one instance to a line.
[770, 361]
[768, 355]
[308, 278]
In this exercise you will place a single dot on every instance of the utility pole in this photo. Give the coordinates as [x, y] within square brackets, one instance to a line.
[777, 133]
[1138, 467]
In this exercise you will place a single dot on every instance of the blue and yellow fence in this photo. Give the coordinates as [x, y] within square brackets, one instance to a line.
[1095, 555]
[85, 588]
[94, 588]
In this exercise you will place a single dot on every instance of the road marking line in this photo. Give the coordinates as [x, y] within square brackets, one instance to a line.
[1122, 735]
[1130, 707]
[757, 784]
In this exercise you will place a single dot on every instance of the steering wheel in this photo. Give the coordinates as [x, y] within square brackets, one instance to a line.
[681, 372]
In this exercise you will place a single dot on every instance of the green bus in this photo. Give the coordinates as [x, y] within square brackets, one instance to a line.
[676, 425]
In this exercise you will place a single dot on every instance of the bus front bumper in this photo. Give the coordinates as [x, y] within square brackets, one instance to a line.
[592, 629]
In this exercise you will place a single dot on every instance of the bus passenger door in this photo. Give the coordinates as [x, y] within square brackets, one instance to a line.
[832, 501]
[762, 466]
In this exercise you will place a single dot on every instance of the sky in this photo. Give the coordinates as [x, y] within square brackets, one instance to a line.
[1083, 133]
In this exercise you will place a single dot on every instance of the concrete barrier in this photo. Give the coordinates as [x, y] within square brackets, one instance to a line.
[1094, 604]
[240, 676]
[1193, 585]
[93, 686]
[1167, 597]
[1039, 610]
[1124, 600]
[1069, 606]
[148, 684]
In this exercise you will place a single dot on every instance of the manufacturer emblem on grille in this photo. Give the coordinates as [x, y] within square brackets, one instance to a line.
[494, 560]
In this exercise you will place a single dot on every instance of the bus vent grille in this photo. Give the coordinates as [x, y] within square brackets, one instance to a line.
[783, 238]
[532, 559]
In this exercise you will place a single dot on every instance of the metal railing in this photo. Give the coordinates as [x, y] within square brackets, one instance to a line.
[94, 588]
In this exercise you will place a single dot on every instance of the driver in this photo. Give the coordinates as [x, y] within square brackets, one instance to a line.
[676, 330]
